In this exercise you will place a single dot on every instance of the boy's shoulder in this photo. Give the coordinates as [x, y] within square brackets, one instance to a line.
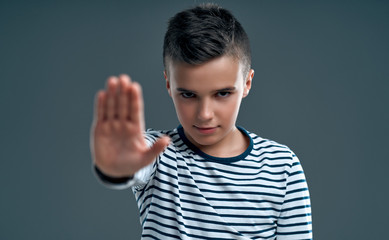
[265, 143]
[265, 148]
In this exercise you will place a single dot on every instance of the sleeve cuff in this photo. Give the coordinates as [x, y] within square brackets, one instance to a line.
[113, 182]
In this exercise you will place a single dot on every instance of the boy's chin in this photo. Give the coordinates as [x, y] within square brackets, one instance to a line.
[201, 140]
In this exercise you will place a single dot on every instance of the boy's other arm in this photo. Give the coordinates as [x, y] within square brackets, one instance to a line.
[118, 146]
[295, 221]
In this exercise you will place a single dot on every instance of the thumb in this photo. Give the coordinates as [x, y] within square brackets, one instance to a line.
[157, 147]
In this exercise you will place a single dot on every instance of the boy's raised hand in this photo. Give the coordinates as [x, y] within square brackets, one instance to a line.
[118, 145]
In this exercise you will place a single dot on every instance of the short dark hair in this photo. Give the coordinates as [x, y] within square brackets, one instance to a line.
[205, 32]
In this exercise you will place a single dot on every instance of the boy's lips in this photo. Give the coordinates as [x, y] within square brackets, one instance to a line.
[206, 130]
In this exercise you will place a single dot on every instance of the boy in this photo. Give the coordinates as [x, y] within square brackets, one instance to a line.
[208, 178]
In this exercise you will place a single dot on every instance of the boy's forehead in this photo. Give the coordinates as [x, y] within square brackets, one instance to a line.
[219, 73]
[225, 65]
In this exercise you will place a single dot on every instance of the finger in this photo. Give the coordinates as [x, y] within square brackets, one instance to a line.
[125, 76]
[157, 148]
[136, 105]
[100, 112]
[124, 82]
[112, 98]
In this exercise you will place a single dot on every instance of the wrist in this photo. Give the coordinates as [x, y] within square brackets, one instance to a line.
[110, 179]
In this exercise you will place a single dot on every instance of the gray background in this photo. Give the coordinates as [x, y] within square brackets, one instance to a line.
[321, 87]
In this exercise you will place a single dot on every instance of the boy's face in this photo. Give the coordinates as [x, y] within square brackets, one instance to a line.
[207, 99]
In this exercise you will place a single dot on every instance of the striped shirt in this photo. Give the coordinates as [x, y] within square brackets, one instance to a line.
[187, 194]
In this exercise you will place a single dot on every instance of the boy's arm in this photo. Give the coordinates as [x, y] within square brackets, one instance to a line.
[295, 221]
[118, 146]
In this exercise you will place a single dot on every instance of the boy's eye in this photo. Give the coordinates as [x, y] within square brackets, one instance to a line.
[187, 94]
[223, 94]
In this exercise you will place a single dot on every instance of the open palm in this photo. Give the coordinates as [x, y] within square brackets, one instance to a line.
[118, 145]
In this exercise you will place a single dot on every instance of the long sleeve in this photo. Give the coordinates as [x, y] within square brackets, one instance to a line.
[295, 221]
[140, 178]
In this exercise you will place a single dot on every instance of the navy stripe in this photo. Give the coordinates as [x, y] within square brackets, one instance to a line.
[247, 208]
[222, 176]
[294, 233]
[259, 161]
[270, 153]
[260, 147]
[161, 232]
[260, 231]
[168, 165]
[234, 179]
[184, 233]
[242, 192]
[166, 173]
[296, 173]
[297, 181]
[297, 190]
[240, 179]
[189, 210]
[202, 220]
[295, 216]
[297, 199]
[245, 200]
[225, 200]
[193, 227]
[259, 167]
[294, 224]
[237, 185]
[297, 207]
[150, 236]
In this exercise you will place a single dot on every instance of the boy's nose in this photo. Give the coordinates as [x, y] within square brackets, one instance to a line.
[205, 111]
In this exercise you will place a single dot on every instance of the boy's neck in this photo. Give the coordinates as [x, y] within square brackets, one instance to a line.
[234, 144]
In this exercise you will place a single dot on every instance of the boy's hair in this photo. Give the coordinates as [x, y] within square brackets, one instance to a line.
[205, 32]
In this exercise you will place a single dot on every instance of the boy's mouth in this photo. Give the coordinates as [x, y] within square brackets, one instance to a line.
[206, 130]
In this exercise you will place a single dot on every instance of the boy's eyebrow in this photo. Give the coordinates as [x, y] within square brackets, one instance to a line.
[226, 89]
[219, 90]
[183, 90]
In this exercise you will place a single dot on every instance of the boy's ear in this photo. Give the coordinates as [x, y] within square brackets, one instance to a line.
[167, 83]
[248, 83]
